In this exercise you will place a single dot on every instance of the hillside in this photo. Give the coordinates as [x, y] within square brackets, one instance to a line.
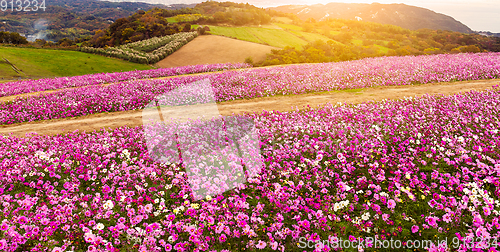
[409, 17]
[44, 63]
[70, 18]
[343, 39]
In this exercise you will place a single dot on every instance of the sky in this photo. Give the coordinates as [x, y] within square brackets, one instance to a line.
[479, 15]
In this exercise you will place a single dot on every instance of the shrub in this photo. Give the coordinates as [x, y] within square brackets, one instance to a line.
[147, 51]
[249, 60]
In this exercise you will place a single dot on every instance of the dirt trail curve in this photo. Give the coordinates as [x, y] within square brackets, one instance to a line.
[280, 103]
[213, 49]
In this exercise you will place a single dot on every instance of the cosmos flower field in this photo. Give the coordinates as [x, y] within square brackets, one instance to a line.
[424, 168]
[252, 83]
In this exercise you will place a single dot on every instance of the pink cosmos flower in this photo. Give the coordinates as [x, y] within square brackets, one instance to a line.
[106, 189]
[178, 246]
[57, 249]
[414, 229]
[432, 221]
[478, 220]
[274, 245]
[261, 245]
[391, 204]
[487, 211]
[222, 238]
[211, 220]
[155, 225]
[4, 226]
[447, 218]
[89, 238]
[148, 208]
[137, 219]
[242, 223]
[149, 229]
[22, 220]
[306, 224]
[168, 247]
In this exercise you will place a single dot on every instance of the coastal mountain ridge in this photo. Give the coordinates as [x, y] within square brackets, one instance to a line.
[406, 16]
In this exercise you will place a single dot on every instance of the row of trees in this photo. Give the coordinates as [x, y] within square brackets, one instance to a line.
[12, 38]
[395, 37]
[140, 26]
[331, 51]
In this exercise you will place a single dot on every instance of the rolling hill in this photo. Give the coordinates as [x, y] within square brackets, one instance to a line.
[72, 18]
[215, 49]
[44, 63]
[409, 17]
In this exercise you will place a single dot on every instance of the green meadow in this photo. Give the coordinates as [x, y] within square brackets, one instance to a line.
[43, 63]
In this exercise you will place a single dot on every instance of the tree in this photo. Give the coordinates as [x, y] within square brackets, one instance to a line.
[219, 16]
[249, 60]
[308, 27]
[12, 38]
[99, 39]
[470, 49]
[201, 30]
[66, 42]
[127, 33]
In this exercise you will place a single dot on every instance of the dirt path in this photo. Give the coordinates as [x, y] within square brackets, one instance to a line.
[211, 49]
[280, 103]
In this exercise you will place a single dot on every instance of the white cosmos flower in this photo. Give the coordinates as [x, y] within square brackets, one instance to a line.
[99, 226]
[108, 205]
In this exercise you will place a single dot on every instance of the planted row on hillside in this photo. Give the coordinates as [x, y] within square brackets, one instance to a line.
[147, 51]
[29, 86]
[258, 82]
[416, 169]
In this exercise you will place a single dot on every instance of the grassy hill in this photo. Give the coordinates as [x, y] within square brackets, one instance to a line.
[281, 35]
[272, 35]
[42, 63]
[342, 39]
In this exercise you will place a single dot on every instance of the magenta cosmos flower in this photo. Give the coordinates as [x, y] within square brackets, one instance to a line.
[414, 229]
[222, 238]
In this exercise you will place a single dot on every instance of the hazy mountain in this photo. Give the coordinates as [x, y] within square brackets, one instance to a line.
[406, 16]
